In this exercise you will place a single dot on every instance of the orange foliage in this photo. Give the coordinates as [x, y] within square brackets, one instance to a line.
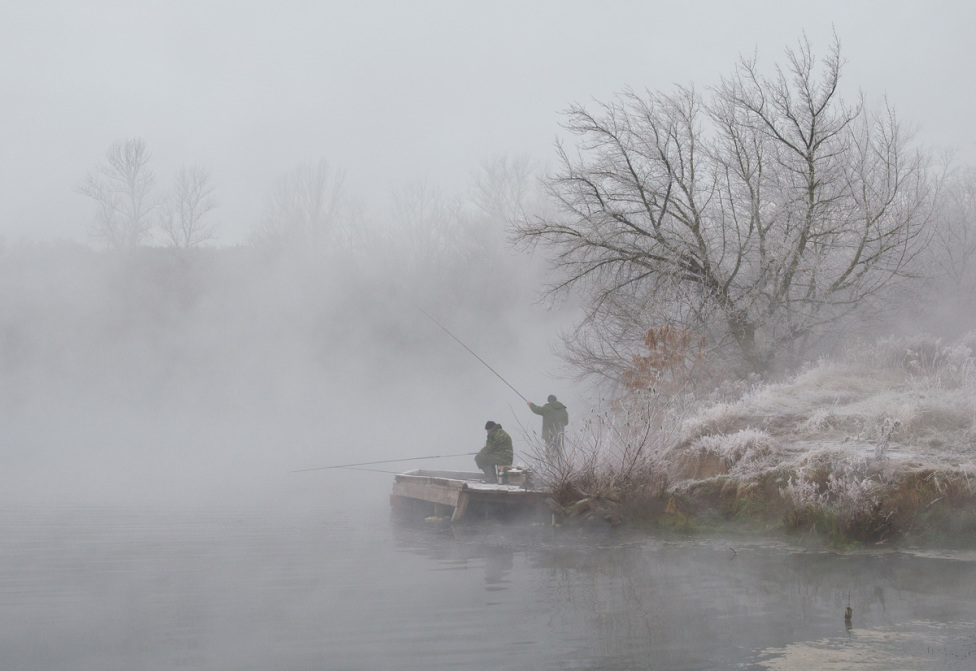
[675, 360]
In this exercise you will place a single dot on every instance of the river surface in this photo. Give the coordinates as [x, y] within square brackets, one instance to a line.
[313, 574]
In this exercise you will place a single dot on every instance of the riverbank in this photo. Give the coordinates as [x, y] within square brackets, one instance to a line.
[876, 446]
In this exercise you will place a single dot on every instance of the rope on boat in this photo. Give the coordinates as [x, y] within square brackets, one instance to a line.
[384, 461]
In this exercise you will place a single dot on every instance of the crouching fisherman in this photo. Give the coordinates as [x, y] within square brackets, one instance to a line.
[496, 452]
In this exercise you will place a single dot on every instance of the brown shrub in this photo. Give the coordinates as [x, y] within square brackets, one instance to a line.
[699, 465]
[675, 360]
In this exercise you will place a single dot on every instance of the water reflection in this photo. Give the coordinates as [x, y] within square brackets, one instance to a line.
[498, 562]
[299, 587]
[635, 602]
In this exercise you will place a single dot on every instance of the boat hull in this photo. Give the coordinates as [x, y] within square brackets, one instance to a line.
[462, 496]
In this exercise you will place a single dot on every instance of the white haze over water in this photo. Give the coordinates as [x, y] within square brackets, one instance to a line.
[160, 377]
[156, 377]
[394, 92]
[154, 402]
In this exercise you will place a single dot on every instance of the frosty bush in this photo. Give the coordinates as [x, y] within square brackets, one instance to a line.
[617, 453]
[846, 505]
[921, 356]
[868, 447]
[744, 452]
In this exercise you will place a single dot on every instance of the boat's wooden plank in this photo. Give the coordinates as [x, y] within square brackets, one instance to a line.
[448, 495]
[462, 506]
[448, 483]
[452, 475]
[462, 491]
[528, 498]
[490, 487]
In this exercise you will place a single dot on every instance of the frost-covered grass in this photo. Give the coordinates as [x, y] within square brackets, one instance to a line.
[879, 443]
[613, 457]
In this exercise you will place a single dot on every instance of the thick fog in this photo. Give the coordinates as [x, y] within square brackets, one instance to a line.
[172, 376]
[172, 399]
[163, 373]
[392, 92]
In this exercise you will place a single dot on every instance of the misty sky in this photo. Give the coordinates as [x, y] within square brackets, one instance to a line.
[391, 92]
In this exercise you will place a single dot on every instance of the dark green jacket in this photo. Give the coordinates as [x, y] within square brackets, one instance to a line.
[498, 448]
[555, 417]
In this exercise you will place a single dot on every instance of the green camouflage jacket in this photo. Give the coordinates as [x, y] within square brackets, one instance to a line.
[498, 447]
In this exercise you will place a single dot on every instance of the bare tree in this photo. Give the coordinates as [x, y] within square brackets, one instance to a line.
[950, 269]
[306, 208]
[502, 185]
[428, 225]
[122, 188]
[504, 189]
[182, 218]
[758, 215]
[956, 235]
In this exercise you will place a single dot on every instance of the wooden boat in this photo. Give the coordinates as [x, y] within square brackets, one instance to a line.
[463, 495]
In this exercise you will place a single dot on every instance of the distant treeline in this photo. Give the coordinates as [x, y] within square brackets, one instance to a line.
[146, 322]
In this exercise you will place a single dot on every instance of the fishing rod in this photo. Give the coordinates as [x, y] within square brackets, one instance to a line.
[383, 461]
[472, 353]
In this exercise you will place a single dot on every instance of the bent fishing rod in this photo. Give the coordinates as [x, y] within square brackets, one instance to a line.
[382, 461]
[444, 328]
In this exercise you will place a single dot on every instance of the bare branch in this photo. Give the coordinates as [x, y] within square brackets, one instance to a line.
[182, 218]
[122, 189]
[759, 214]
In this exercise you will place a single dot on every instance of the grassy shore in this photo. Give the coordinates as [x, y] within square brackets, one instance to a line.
[875, 446]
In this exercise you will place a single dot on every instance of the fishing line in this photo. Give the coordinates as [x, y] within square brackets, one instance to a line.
[472, 352]
[371, 470]
[383, 461]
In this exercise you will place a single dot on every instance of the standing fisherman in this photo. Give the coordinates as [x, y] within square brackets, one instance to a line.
[555, 417]
[496, 452]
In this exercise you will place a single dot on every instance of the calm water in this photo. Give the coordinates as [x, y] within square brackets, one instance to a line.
[315, 576]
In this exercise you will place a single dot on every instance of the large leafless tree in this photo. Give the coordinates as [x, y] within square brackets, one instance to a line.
[122, 189]
[758, 213]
